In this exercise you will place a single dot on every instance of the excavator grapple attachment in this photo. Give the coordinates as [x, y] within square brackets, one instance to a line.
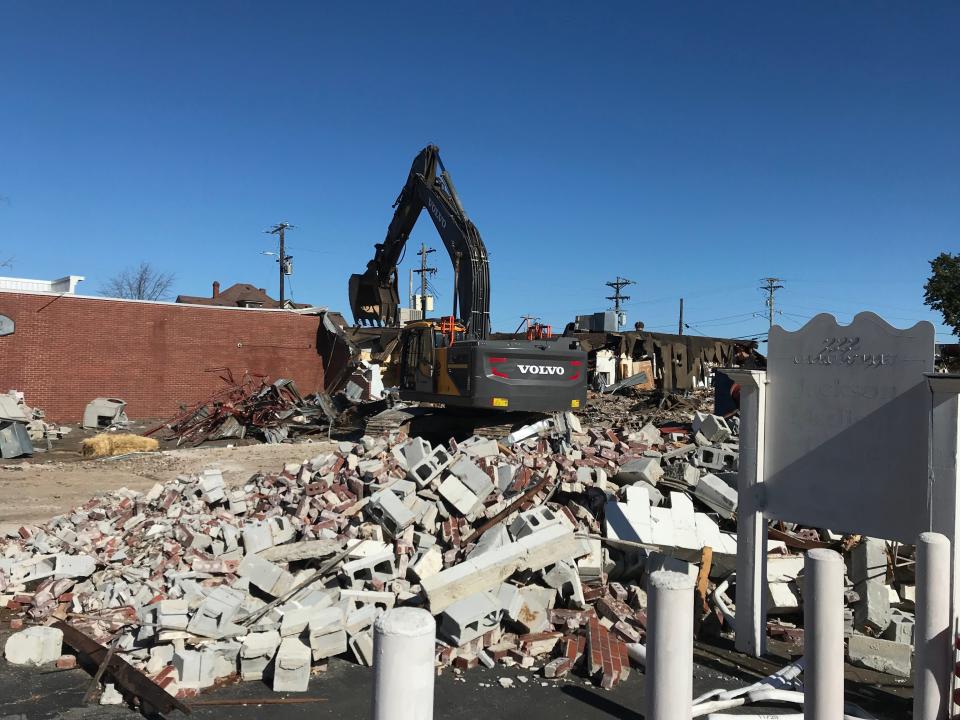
[373, 302]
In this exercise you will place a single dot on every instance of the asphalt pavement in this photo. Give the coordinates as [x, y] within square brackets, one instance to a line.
[344, 691]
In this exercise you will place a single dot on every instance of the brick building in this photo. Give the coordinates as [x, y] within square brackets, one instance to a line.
[66, 350]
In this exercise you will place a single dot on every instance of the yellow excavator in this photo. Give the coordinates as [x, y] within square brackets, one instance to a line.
[452, 360]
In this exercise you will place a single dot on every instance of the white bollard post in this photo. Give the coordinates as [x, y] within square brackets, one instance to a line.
[823, 635]
[931, 684]
[669, 687]
[403, 665]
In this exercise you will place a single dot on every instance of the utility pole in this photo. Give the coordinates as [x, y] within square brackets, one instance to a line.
[771, 285]
[285, 267]
[618, 298]
[424, 251]
[680, 327]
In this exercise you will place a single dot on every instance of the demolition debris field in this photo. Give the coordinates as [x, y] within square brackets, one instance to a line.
[33, 491]
[270, 563]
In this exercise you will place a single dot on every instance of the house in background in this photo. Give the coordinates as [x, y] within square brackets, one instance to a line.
[239, 295]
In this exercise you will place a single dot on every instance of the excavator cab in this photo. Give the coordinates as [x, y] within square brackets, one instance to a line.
[423, 352]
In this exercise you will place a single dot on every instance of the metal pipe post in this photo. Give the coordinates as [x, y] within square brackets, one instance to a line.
[931, 684]
[669, 653]
[823, 635]
[403, 654]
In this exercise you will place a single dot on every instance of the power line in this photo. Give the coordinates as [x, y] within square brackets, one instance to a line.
[739, 317]
[771, 287]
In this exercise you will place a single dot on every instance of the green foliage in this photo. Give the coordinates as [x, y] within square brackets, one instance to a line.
[942, 291]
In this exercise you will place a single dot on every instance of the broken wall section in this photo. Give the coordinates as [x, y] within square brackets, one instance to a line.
[678, 362]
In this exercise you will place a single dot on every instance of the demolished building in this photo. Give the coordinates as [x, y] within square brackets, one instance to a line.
[534, 551]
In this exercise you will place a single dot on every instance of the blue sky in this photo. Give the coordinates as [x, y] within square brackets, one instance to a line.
[693, 148]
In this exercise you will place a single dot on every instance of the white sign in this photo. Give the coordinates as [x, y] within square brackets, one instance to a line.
[847, 426]
[6, 326]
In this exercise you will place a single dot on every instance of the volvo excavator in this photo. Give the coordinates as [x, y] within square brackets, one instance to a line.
[452, 360]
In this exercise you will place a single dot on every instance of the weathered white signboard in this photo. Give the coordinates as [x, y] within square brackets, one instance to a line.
[6, 326]
[847, 426]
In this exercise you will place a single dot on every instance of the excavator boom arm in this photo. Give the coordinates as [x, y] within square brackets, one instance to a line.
[374, 297]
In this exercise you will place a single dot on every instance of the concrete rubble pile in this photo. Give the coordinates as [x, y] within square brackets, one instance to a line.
[503, 542]
[633, 407]
[23, 429]
[534, 551]
[879, 623]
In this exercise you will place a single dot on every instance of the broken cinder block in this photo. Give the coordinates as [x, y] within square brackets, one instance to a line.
[34, 646]
[291, 672]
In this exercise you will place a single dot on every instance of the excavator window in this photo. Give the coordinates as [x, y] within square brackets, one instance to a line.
[424, 374]
[410, 356]
[426, 343]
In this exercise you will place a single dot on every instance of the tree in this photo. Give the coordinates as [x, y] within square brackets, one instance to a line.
[942, 291]
[140, 283]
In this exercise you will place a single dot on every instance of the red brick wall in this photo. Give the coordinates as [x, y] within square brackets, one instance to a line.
[67, 350]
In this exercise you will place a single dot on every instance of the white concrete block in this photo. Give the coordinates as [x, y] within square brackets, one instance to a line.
[328, 644]
[647, 469]
[172, 614]
[256, 653]
[160, 657]
[428, 564]
[476, 480]
[883, 656]
[194, 668]
[469, 618]
[378, 567]
[74, 566]
[361, 645]
[211, 486]
[270, 578]
[495, 537]
[455, 492]
[479, 447]
[531, 615]
[505, 474]
[429, 468]
[717, 495]
[110, 695]
[291, 672]
[237, 502]
[256, 536]
[532, 521]
[386, 509]
[34, 646]
[281, 530]
[212, 618]
[487, 571]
